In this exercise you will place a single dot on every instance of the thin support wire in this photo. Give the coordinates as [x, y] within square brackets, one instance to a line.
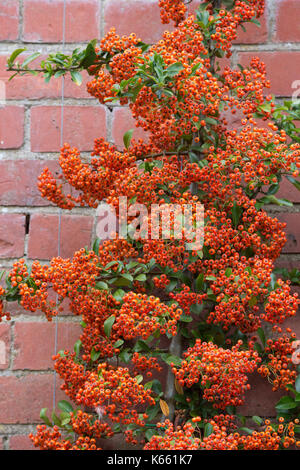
[60, 212]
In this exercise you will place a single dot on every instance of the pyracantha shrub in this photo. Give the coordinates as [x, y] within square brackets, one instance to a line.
[196, 321]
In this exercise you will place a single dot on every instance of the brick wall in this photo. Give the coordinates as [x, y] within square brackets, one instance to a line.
[29, 140]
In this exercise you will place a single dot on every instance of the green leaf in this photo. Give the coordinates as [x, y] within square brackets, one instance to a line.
[108, 325]
[77, 347]
[286, 403]
[174, 69]
[15, 54]
[96, 245]
[95, 355]
[118, 343]
[236, 213]
[101, 285]
[119, 294]
[257, 420]
[76, 77]
[208, 429]
[262, 336]
[55, 419]
[30, 59]
[65, 406]
[44, 417]
[295, 182]
[127, 138]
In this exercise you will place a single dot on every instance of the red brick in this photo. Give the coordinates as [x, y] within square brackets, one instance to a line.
[141, 17]
[82, 125]
[9, 20]
[34, 343]
[282, 69]
[11, 127]
[43, 20]
[287, 21]
[43, 235]
[18, 181]
[22, 398]
[260, 399]
[292, 230]
[21, 442]
[123, 122]
[12, 235]
[254, 34]
[4, 345]
[35, 87]
[288, 191]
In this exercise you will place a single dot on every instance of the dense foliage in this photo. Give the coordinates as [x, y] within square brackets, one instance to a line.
[171, 335]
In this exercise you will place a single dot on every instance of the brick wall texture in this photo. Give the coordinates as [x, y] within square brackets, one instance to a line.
[30, 122]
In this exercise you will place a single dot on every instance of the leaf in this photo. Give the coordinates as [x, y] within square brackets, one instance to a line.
[55, 419]
[208, 429]
[76, 77]
[171, 359]
[65, 406]
[14, 55]
[257, 420]
[174, 69]
[294, 182]
[118, 343]
[108, 325]
[101, 285]
[178, 387]
[164, 407]
[30, 59]
[141, 277]
[262, 336]
[77, 347]
[247, 430]
[65, 418]
[96, 245]
[44, 417]
[127, 138]
[139, 379]
[286, 403]
[119, 294]
[95, 355]
[236, 213]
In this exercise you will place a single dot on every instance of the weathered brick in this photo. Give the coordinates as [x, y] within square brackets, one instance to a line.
[34, 343]
[260, 400]
[4, 345]
[11, 127]
[19, 179]
[288, 191]
[43, 235]
[82, 125]
[9, 20]
[287, 21]
[123, 122]
[254, 34]
[135, 16]
[21, 442]
[12, 235]
[292, 230]
[282, 69]
[29, 87]
[22, 398]
[43, 20]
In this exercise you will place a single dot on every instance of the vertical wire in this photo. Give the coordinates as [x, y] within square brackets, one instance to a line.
[60, 211]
